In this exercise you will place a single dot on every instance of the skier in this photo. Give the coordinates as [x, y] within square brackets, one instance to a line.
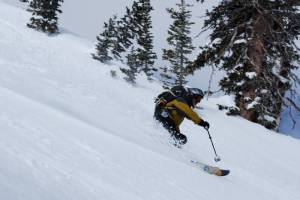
[173, 106]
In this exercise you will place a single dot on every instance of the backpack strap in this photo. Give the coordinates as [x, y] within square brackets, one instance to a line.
[165, 98]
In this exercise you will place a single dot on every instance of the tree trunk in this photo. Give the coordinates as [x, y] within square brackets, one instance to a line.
[256, 55]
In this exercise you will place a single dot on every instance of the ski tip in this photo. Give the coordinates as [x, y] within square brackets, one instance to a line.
[222, 172]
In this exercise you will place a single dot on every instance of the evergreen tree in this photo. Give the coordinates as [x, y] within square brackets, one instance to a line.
[180, 45]
[253, 41]
[44, 15]
[125, 34]
[141, 25]
[132, 31]
[115, 39]
[133, 65]
[106, 42]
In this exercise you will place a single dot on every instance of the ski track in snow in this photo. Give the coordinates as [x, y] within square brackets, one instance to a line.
[70, 131]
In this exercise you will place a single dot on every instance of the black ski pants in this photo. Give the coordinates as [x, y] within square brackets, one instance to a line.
[169, 124]
[166, 121]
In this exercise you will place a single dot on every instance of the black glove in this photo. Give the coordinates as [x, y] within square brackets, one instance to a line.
[205, 124]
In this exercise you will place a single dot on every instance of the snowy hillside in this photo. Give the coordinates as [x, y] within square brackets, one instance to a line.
[70, 131]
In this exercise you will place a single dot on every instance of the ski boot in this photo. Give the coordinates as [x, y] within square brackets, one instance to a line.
[178, 140]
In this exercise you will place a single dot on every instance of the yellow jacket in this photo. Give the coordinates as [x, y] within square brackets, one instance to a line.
[179, 109]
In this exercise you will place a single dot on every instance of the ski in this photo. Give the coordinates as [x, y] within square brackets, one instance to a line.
[210, 169]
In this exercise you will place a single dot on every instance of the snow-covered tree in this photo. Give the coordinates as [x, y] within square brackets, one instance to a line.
[44, 15]
[133, 66]
[124, 32]
[253, 41]
[106, 42]
[130, 38]
[141, 26]
[115, 39]
[180, 45]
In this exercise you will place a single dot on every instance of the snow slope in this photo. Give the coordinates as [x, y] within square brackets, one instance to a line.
[70, 131]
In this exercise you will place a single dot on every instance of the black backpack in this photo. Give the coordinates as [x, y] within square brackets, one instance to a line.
[169, 95]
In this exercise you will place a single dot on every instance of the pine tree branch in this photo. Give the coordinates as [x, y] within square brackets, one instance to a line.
[295, 78]
[293, 104]
[292, 117]
[228, 46]
[294, 2]
[210, 81]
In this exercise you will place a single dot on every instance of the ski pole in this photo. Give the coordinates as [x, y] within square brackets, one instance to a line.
[217, 158]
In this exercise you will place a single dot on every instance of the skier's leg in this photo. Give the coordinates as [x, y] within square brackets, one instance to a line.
[179, 138]
[167, 122]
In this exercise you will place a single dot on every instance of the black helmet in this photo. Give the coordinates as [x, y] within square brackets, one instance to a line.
[195, 93]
